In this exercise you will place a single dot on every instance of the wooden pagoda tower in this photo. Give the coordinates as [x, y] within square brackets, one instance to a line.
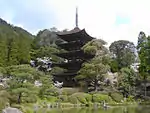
[74, 41]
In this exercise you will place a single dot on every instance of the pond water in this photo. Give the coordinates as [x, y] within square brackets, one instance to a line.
[138, 109]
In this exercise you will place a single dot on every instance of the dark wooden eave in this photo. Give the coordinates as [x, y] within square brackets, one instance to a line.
[78, 54]
[69, 65]
[74, 45]
[67, 73]
[75, 34]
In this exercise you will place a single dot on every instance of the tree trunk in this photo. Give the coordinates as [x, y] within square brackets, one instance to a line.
[129, 90]
[96, 85]
[19, 98]
[145, 92]
[145, 81]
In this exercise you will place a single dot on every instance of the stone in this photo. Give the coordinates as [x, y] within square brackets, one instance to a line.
[11, 110]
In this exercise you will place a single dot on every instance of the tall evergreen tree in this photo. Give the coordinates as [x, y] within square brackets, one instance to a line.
[3, 51]
[144, 56]
[123, 53]
[15, 45]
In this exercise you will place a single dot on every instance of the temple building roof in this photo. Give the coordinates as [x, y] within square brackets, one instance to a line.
[74, 35]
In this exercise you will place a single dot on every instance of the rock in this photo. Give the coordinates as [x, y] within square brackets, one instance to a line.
[11, 110]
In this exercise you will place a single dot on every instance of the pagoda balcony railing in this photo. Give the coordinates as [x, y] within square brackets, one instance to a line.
[72, 55]
[74, 45]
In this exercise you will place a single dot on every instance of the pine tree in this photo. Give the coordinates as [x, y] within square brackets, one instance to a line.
[21, 83]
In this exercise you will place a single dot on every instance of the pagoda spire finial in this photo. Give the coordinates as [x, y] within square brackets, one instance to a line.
[76, 16]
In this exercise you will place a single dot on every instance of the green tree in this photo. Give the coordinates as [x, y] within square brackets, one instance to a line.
[24, 47]
[123, 52]
[114, 65]
[2, 71]
[3, 51]
[127, 81]
[144, 53]
[4, 98]
[141, 39]
[21, 83]
[4, 94]
[46, 51]
[12, 52]
[48, 37]
[94, 70]
[47, 90]
[15, 45]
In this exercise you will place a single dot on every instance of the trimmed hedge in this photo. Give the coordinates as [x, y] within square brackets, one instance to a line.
[101, 98]
[64, 98]
[69, 91]
[87, 99]
[82, 98]
[116, 96]
[72, 99]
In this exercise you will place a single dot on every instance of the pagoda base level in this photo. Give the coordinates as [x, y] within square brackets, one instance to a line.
[67, 81]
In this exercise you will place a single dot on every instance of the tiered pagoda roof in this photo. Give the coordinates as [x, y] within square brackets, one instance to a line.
[75, 34]
[75, 56]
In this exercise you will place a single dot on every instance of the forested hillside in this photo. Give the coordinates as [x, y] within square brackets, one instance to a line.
[14, 45]
[18, 46]
[17, 78]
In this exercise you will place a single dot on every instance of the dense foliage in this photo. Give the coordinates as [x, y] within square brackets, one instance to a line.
[111, 71]
[14, 46]
[123, 54]
[144, 53]
[93, 71]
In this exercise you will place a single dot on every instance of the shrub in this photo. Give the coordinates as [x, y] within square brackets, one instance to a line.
[72, 99]
[28, 110]
[90, 50]
[4, 98]
[116, 96]
[101, 97]
[88, 97]
[130, 99]
[29, 99]
[3, 103]
[16, 106]
[51, 98]
[69, 91]
[82, 98]
[64, 98]
[51, 91]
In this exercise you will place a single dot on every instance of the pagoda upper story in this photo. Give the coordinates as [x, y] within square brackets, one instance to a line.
[74, 57]
[76, 34]
[75, 39]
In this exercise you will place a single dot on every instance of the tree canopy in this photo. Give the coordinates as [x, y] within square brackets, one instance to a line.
[93, 71]
[123, 53]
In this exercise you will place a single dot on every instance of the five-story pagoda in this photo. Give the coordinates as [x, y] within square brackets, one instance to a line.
[74, 57]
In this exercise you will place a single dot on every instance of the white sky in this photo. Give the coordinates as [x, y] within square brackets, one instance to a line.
[110, 20]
